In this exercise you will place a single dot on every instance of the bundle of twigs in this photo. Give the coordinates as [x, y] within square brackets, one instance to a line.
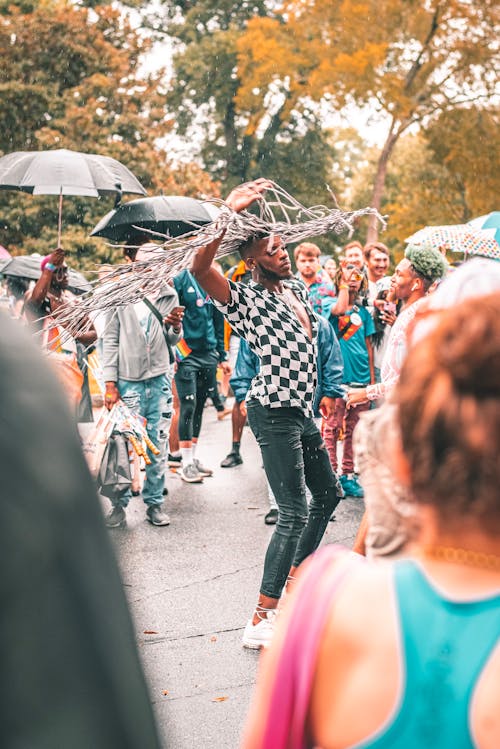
[277, 213]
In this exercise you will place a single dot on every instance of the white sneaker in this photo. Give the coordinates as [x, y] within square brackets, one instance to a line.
[201, 468]
[258, 635]
[191, 474]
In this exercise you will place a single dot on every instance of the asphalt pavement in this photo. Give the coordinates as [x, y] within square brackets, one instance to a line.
[192, 586]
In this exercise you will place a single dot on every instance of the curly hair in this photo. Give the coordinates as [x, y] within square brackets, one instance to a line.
[448, 398]
[427, 263]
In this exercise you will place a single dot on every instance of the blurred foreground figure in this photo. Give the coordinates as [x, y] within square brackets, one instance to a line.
[70, 674]
[405, 654]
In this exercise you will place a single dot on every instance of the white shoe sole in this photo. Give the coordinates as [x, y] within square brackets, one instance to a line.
[254, 644]
[191, 481]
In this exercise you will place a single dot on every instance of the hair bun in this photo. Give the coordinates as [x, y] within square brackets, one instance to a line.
[472, 359]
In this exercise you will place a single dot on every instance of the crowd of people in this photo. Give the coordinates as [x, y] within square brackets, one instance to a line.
[358, 382]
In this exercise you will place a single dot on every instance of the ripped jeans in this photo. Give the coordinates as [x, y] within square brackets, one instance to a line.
[294, 456]
[152, 399]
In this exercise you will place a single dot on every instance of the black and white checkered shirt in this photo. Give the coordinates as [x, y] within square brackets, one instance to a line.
[287, 376]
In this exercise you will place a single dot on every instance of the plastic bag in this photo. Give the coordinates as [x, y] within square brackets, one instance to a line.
[115, 475]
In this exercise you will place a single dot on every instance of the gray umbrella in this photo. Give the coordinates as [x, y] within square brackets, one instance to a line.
[171, 215]
[27, 266]
[63, 172]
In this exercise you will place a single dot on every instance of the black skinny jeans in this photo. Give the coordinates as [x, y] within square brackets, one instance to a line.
[195, 381]
[294, 455]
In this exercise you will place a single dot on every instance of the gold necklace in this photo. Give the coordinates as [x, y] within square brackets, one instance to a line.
[463, 556]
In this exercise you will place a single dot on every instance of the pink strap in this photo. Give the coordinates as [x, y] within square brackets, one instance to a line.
[290, 696]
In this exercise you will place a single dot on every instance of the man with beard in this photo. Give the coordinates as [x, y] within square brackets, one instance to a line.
[377, 262]
[309, 271]
[273, 314]
[412, 279]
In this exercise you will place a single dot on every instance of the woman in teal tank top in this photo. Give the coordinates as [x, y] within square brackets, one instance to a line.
[406, 654]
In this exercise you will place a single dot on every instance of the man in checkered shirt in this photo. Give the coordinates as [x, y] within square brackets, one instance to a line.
[273, 314]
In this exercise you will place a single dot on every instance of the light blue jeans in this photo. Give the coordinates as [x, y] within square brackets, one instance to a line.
[151, 399]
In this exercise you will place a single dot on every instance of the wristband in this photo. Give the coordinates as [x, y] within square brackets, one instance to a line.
[49, 266]
[343, 286]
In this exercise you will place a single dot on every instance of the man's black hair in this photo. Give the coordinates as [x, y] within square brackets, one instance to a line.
[245, 247]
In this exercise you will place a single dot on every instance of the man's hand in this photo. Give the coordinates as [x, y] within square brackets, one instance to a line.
[174, 318]
[327, 406]
[243, 408]
[225, 367]
[244, 195]
[355, 396]
[112, 395]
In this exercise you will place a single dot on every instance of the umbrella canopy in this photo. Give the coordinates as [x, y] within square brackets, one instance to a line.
[27, 266]
[171, 215]
[457, 238]
[64, 172]
[489, 224]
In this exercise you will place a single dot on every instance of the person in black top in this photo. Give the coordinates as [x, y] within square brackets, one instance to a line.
[273, 314]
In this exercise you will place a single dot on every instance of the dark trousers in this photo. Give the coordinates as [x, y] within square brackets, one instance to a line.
[294, 455]
[195, 381]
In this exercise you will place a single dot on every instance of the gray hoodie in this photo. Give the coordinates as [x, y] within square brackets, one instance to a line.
[127, 355]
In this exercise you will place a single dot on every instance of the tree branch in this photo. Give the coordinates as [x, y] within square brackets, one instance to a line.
[412, 73]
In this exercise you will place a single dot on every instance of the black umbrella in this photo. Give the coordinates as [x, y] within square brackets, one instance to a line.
[172, 215]
[63, 172]
[27, 266]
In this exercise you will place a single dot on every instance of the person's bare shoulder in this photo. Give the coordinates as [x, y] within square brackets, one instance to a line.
[363, 600]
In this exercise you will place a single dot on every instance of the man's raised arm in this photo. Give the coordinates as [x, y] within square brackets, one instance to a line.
[208, 277]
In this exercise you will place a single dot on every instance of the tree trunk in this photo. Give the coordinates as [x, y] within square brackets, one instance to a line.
[379, 181]
[233, 164]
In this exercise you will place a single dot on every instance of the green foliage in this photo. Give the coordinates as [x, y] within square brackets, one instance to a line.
[70, 80]
[238, 141]
[411, 61]
[446, 174]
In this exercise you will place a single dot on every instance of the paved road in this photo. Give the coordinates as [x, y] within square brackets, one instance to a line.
[192, 586]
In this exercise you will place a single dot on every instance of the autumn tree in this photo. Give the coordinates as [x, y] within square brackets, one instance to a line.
[70, 78]
[411, 61]
[234, 145]
[444, 174]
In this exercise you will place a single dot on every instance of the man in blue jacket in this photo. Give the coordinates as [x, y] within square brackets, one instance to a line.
[199, 353]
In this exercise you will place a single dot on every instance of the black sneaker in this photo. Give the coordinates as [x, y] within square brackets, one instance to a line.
[174, 461]
[116, 518]
[271, 518]
[231, 460]
[157, 515]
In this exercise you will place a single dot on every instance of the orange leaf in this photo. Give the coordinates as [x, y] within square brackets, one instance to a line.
[220, 699]
[150, 632]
